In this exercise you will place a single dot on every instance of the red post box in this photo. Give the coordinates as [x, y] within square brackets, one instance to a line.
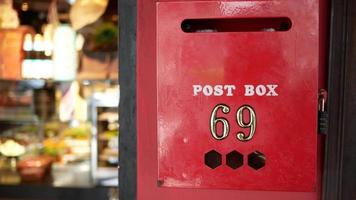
[235, 96]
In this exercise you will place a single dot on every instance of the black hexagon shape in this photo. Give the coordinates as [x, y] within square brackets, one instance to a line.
[234, 159]
[256, 160]
[213, 159]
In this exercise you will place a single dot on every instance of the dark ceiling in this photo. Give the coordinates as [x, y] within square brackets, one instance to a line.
[34, 12]
[42, 5]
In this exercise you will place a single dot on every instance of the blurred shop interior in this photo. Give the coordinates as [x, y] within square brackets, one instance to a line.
[59, 93]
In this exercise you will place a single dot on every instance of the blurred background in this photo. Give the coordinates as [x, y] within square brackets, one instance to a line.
[59, 98]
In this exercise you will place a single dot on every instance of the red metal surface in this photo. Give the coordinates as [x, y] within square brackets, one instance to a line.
[286, 124]
[147, 110]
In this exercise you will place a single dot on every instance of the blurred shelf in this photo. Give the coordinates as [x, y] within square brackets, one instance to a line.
[104, 137]
[21, 121]
[84, 81]
[17, 115]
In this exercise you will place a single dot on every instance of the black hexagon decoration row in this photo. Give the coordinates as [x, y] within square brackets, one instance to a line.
[234, 159]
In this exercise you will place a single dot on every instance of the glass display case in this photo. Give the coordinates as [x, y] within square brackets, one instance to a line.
[104, 144]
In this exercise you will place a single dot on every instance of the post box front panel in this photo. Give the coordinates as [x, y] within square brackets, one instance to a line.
[237, 107]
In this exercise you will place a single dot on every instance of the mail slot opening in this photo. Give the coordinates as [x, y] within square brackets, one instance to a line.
[236, 25]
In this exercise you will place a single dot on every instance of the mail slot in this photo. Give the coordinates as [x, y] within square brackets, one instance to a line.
[237, 86]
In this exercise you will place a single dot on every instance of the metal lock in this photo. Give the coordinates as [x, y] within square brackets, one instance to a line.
[322, 113]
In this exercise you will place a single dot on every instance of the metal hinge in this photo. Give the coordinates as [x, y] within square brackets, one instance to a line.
[323, 116]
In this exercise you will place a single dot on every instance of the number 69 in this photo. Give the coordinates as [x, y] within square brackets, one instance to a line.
[251, 124]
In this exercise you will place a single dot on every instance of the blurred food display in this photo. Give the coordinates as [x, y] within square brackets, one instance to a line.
[59, 92]
[10, 148]
[34, 168]
[71, 145]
